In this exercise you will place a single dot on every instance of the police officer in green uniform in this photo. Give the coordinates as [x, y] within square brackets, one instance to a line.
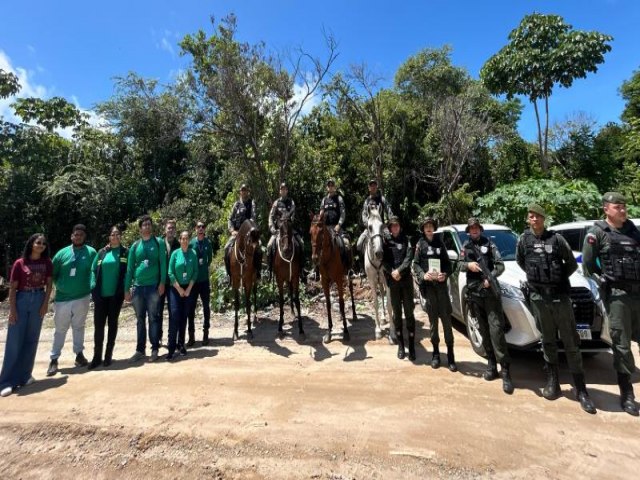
[611, 256]
[483, 264]
[548, 261]
[432, 267]
[397, 258]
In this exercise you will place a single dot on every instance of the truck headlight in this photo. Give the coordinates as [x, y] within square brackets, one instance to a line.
[511, 292]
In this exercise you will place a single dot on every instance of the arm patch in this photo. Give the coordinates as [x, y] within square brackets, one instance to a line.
[591, 239]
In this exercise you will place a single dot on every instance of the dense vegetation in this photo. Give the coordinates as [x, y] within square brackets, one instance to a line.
[437, 140]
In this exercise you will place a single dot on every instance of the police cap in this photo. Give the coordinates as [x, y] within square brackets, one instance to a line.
[373, 181]
[284, 185]
[331, 181]
[537, 209]
[430, 220]
[244, 188]
[614, 197]
[472, 222]
[393, 219]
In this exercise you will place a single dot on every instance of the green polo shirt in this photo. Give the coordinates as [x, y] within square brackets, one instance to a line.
[72, 272]
[183, 267]
[146, 265]
[109, 272]
[204, 252]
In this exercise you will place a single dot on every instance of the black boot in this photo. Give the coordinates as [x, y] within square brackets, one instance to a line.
[435, 357]
[108, 356]
[227, 263]
[270, 261]
[412, 346]
[582, 395]
[95, 362]
[627, 399]
[551, 390]
[451, 359]
[400, 339]
[205, 338]
[491, 373]
[507, 384]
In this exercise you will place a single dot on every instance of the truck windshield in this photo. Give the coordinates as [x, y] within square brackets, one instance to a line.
[505, 240]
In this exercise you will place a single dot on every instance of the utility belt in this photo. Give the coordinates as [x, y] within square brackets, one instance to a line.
[630, 288]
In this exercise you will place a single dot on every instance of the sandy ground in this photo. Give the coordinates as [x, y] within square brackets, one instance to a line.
[277, 408]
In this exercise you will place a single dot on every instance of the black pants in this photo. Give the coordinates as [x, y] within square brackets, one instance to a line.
[202, 290]
[401, 294]
[107, 311]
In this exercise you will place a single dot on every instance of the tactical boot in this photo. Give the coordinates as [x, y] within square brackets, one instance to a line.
[205, 338]
[507, 385]
[270, 262]
[400, 339]
[95, 362]
[412, 346]
[626, 394]
[451, 359]
[435, 357]
[108, 356]
[582, 395]
[491, 373]
[551, 390]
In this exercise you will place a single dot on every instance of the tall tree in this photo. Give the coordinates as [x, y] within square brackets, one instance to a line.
[543, 51]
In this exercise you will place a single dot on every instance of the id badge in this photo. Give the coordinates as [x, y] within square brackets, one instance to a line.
[145, 263]
[184, 274]
[72, 272]
[200, 261]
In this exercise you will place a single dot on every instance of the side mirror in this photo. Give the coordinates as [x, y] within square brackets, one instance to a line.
[453, 255]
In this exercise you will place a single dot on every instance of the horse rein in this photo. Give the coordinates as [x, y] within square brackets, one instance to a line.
[290, 260]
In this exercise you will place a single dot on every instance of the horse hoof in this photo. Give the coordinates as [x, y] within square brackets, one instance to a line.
[281, 334]
[326, 338]
[378, 335]
[345, 336]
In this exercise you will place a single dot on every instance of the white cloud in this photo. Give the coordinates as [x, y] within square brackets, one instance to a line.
[299, 92]
[166, 41]
[30, 88]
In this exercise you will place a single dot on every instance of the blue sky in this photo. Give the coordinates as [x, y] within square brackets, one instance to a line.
[74, 48]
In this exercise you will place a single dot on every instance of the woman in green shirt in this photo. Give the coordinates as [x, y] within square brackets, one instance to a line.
[183, 272]
[107, 289]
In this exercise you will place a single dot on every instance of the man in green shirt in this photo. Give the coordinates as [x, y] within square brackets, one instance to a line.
[204, 250]
[72, 278]
[144, 283]
[170, 245]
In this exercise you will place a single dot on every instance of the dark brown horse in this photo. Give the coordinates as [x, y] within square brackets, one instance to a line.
[325, 254]
[242, 262]
[287, 263]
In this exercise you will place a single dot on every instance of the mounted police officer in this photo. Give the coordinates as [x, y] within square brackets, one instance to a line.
[375, 198]
[611, 256]
[397, 258]
[548, 261]
[432, 267]
[334, 213]
[283, 206]
[483, 264]
[243, 209]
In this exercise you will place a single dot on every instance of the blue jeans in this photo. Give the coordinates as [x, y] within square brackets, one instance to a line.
[202, 290]
[162, 299]
[145, 303]
[180, 307]
[22, 340]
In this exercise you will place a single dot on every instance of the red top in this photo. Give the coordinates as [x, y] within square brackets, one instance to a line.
[31, 273]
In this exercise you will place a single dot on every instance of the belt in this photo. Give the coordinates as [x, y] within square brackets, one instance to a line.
[39, 289]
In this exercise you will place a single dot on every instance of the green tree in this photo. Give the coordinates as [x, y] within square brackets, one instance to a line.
[53, 113]
[9, 84]
[630, 92]
[543, 51]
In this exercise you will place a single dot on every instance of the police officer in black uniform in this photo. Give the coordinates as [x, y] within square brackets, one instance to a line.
[375, 198]
[611, 256]
[548, 261]
[398, 255]
[481, 253]
[432, 267]
[334, 214]
[284, 205]
[243, 209]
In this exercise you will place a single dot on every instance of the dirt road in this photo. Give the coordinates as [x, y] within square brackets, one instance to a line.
[290, 409]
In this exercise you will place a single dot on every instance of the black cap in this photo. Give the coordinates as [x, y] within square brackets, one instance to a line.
[331, 181]
[472, 222]
[373, 181]
[284, 185]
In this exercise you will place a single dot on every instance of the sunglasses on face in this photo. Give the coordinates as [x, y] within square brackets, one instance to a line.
[199, 226]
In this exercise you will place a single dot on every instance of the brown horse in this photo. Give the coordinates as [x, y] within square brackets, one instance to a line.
[242, 262]
[287, 263]
[325, 254]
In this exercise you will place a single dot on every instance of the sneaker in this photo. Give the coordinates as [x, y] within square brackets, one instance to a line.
[136, 357]
[81, 361]
[30, 381]
[154, 355]
[53, 368]
[6, 391]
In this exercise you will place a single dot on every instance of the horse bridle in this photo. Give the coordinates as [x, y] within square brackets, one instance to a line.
[293, 254]
[322, 230]
[370, 245]
[241, 257]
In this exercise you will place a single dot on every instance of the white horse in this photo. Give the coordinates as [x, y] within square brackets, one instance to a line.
[374, 269]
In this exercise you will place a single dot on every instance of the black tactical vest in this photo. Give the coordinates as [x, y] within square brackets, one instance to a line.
[396, 250]
[484, 249]
[621, 260]
[331, 207]
[242, 213]
[543, 259]
[429, 250]
[283, 205]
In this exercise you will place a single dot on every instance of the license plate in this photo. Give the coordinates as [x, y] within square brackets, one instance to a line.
[584, 332]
